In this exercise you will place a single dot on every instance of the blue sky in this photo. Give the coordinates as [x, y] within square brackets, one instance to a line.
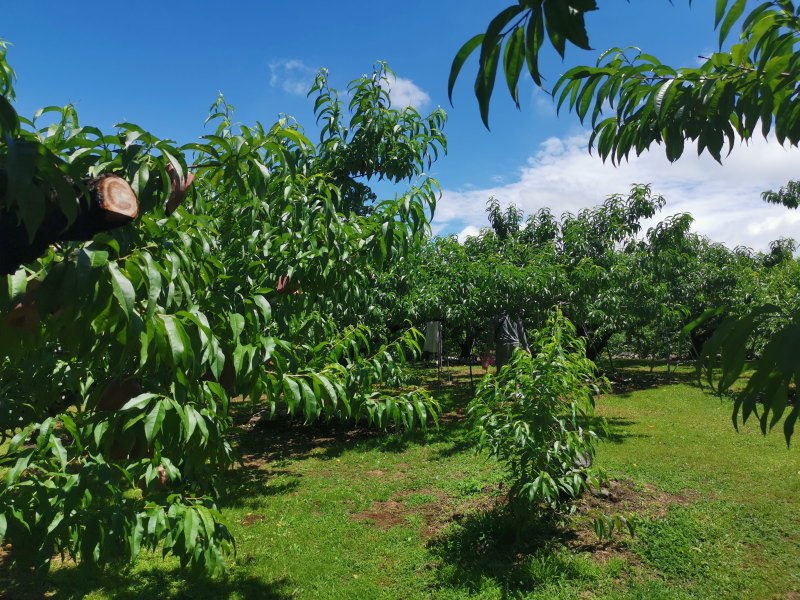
[162, 64]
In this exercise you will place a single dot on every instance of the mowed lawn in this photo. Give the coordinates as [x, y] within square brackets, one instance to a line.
[326, 511]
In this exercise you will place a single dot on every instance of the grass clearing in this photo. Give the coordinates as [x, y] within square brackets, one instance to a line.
[326, 511]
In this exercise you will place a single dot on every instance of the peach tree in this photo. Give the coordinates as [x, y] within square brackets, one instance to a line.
[119, 355]
[533, 416]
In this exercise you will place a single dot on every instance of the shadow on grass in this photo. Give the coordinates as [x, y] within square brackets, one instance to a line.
[626, 381]
[123, 583]
[268, 446]
[516, 553]
[616, 432]
[282, 438]
[248, 485]
[458, 445]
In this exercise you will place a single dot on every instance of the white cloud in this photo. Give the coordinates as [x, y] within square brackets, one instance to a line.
[725, 200]
[292, 76]
[468, 231]
[405, 92]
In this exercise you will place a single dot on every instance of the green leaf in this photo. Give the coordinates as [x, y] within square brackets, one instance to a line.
[534, 38]
[292, 393]
[175, 336]
[154, 283]
[660, 96]
[705, 316]
[788, 424]
[22, 161]
[72, 429]
[513, 60]
[20, 438]
[556, 25]
[311, 407]
[266, 309]
[237, 325]
[458, 62]
[17, 284]
[720, 11]
[45, 433]
[99, 431]
[586, 96]
[153, 421]
[140, 180]
[173, 160]
[19, 466]
[59, 452]
[209, 519]
[267, 346]
[9, 121]
[733, 15]
[123, 289]
[138, 402]
[192, 418]
[93, 257]
[327, 386]
[484, 84]
[240, 352]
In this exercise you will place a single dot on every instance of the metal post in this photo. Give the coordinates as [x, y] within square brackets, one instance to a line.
[471, 384]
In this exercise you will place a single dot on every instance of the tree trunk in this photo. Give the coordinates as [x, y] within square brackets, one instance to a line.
[595, 346]
[698, 339]
[610, 358]
[111, 203]
[466, 347]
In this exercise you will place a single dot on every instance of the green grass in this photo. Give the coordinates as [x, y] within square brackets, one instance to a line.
[736, 535]
[326, 512]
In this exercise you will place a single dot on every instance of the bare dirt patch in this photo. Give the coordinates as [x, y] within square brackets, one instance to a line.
[385, 515]
[618, 497]
[252, 519]
[622, 496]
[16, 584]
[435, 514]
[453, 416]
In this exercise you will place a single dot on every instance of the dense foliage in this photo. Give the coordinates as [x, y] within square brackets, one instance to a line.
[768, 329]
[626, 290]
[118, 357]
[525, 268]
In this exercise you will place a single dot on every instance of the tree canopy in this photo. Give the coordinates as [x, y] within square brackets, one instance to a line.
[119, 355]
[633, 101]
